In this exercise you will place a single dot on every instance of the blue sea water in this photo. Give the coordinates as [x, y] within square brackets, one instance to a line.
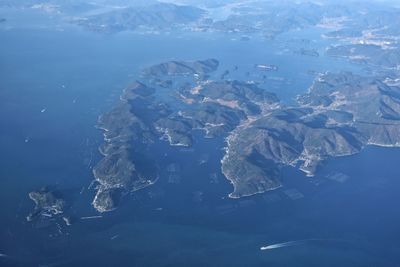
[73, 76]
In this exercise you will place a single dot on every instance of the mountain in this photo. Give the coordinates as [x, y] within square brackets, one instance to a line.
[153, 16]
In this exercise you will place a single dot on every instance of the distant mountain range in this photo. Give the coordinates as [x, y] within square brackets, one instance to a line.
[155, 16]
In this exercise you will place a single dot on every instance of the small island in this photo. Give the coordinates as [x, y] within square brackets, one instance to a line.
[48, 204]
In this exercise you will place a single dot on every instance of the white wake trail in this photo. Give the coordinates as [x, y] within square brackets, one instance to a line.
[284, 244]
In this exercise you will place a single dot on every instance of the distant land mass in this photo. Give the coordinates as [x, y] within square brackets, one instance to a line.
[344, 20]
[339, 115]
[368, 53]
[154, 16]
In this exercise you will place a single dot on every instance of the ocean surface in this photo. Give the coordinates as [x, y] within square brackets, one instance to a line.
[56, 79]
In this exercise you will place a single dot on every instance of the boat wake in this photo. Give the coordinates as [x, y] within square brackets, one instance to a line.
[295, 243]
[284, 244]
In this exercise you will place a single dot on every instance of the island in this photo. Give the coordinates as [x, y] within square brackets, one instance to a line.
[153, 16]
[307, 52]
[339, 115]
[372, 54]
[143, 118]
[49, 204]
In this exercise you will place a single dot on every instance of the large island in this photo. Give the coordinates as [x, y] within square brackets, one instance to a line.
[339, 115]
